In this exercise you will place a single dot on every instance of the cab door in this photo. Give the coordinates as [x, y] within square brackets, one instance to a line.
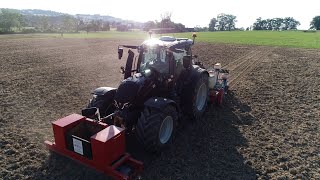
[129, 63]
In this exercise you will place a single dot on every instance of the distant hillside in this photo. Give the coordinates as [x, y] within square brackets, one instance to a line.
[40, 12]
[98, 17]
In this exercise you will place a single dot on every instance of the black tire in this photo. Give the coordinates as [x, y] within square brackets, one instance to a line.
[226, 89]
[149, 124]
[190, 98]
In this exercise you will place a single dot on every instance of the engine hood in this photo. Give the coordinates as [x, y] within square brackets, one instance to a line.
[130, 91]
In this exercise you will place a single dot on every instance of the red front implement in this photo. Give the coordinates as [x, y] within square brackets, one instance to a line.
[95, 144]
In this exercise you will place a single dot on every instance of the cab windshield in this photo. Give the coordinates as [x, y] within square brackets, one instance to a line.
[155, 57]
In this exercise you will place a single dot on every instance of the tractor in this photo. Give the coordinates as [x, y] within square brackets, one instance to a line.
[163, 85]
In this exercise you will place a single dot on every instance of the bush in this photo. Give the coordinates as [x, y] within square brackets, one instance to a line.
[52, 31]
[6, 32]
[29, 30]
[309, 31]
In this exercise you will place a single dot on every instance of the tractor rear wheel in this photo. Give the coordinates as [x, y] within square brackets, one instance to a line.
[156, 128]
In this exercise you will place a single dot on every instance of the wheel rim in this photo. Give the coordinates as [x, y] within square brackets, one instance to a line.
[201, 97]
[166, 129]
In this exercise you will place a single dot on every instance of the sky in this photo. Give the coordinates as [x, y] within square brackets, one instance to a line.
[190, 13]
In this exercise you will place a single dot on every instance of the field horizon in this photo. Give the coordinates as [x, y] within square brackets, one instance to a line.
[293, 39]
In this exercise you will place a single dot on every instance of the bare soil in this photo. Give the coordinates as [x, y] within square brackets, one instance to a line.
[268, 127]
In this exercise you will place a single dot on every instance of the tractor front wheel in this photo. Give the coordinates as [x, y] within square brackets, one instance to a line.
[155, 128]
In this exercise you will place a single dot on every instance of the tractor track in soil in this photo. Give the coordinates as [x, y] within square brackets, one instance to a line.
[266, 129]
[246, 65]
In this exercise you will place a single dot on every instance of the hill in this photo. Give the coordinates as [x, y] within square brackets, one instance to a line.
[39, 12]
[49, 13]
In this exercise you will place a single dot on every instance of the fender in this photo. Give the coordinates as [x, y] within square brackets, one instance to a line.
[101, 91]
[195, 74]
[160, 103]
[106, 93]
[198, 71]
[102, 98]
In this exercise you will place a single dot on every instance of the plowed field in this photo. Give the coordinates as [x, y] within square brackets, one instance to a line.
[268, 127]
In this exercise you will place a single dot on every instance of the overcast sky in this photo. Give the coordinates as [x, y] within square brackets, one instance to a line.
[190, 13]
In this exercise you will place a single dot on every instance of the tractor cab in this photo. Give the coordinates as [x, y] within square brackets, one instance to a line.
[155, 58]
[163, 56]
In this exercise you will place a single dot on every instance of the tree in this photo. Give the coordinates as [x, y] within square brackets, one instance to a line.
[81, 25]
[166, 20]
[44, 23]
[9, 19]
[149, 25]
[287, 23]
[231, 22]
[122, 27]
[69, 23]
[267, 24]
[226, 22]
[276, 23]
[315, 23]
[97, 25]
[165, 23]
[258, 25]
[200, 29]
[212, 24]
[179, 27]
[106, 26]
[88, 27]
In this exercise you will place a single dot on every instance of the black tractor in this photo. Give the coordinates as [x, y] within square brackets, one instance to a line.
[163, 85]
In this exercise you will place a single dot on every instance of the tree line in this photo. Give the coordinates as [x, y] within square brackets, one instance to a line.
[12, 21]
[226, 22]
[165, 23]
[288, 23]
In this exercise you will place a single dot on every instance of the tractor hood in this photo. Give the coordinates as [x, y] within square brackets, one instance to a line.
[132, 91]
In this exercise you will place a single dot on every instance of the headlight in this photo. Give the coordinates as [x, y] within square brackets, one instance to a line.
[147, 72]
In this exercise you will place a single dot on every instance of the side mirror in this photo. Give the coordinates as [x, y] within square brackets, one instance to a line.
[194, 35]
[120, 52]
[187, 62]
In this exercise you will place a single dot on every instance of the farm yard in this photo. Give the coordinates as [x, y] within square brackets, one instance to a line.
[268, 127]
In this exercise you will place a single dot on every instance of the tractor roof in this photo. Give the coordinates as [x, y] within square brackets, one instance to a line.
[168, 42]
